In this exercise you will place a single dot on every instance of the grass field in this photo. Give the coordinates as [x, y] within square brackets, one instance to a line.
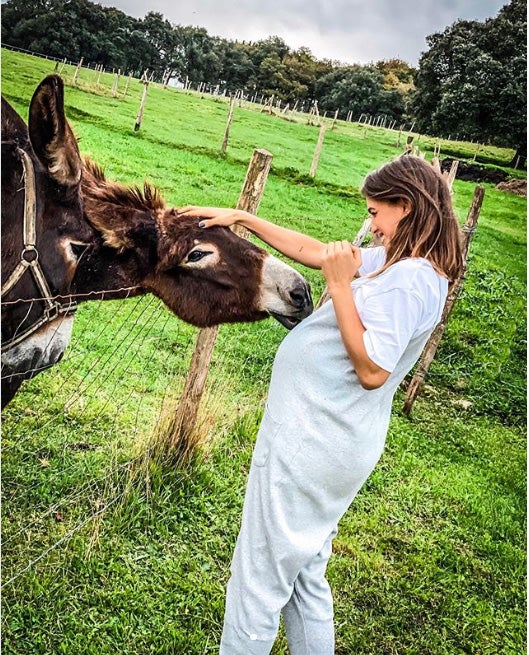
[106, 550]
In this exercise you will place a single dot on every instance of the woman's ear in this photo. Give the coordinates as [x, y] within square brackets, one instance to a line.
[406, 207]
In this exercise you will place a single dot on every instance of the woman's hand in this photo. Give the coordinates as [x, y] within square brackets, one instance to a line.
[340, 263]
[223, 217]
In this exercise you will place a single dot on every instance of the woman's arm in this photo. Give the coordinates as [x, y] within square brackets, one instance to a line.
[339, 265]
[295, 245]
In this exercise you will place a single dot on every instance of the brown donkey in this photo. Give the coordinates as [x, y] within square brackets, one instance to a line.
[205, 277]
[131, 243]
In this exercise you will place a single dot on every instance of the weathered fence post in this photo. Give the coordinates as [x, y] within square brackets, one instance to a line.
[314, 112]
[451, 176]
[436, 164]
[116, 83]
[139, 117]
[228, 126]
[76, 74]
[400, 134]
[183, 424]
[317, 151]
[430, 349]
[127, 85]
[358, 241]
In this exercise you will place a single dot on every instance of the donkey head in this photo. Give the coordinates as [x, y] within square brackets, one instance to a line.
[214, 276]
[205, 277]
[59, 224]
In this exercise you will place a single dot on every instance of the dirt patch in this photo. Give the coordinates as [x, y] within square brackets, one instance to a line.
[474, 172]
[518, 187]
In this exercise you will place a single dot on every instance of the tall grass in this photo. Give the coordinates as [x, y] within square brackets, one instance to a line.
[106, 549]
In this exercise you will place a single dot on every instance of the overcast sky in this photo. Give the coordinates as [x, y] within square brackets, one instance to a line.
[350, 31]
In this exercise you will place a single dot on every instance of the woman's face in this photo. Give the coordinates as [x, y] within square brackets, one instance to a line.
[385, 216]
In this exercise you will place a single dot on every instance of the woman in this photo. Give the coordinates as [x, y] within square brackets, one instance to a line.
[330, 396]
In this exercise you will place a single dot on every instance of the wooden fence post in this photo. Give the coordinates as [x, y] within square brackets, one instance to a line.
[183, 424]
[317, 151]
[76, 74]
[451, 176]
[139, 117]
[116, 83]
[430, 349]
[127, 85]
[358, 241]
[228, 125]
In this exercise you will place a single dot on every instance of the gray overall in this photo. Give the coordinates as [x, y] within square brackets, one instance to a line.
[320, 438]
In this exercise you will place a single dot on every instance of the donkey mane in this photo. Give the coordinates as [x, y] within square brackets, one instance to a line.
[96, 186]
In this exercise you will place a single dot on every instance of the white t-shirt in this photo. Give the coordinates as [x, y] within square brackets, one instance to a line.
[314, 388]
[403, 302]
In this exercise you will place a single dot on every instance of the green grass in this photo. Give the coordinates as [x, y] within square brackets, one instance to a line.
[126, 553]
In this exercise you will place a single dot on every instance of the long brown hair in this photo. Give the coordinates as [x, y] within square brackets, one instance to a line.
[430, 230]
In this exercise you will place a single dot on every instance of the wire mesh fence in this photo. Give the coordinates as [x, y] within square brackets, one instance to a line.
[76, 437]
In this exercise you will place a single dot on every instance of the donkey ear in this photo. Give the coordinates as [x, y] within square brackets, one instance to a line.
[121, 228]
[51, 137]
[110, 222]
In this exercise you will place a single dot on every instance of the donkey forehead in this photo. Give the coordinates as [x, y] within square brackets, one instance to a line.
[184, 233]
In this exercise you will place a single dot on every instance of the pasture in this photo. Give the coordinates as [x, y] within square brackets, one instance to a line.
[107, 548]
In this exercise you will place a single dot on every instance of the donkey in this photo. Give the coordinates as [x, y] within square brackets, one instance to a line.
[42, 224]
[205, 277]
[128, 242]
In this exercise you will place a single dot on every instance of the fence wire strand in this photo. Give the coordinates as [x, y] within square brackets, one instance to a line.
[62, 540]
[126, 345]
[132, 333]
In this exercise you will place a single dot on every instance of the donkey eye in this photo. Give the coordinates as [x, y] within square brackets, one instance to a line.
[196, 255]
[78, 249]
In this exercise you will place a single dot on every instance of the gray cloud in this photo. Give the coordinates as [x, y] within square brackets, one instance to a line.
[351, 31]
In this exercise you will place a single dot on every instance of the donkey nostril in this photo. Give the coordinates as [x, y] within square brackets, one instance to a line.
[300, 297]
[297, 298]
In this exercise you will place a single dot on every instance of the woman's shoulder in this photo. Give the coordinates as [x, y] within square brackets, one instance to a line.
[413, 265]
[417, 275]
[412, 273]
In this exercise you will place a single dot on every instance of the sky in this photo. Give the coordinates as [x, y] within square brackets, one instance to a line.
[348, 31]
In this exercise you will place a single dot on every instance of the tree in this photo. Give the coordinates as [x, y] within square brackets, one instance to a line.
[160, 36]
[237, 68]
[102, 35]
[472, 80]
[359, 89]
[195, 54]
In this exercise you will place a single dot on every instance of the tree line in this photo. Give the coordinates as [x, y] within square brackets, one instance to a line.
[470, 83]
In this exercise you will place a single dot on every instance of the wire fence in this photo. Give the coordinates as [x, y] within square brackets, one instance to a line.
[76, 435]
[305, 108]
